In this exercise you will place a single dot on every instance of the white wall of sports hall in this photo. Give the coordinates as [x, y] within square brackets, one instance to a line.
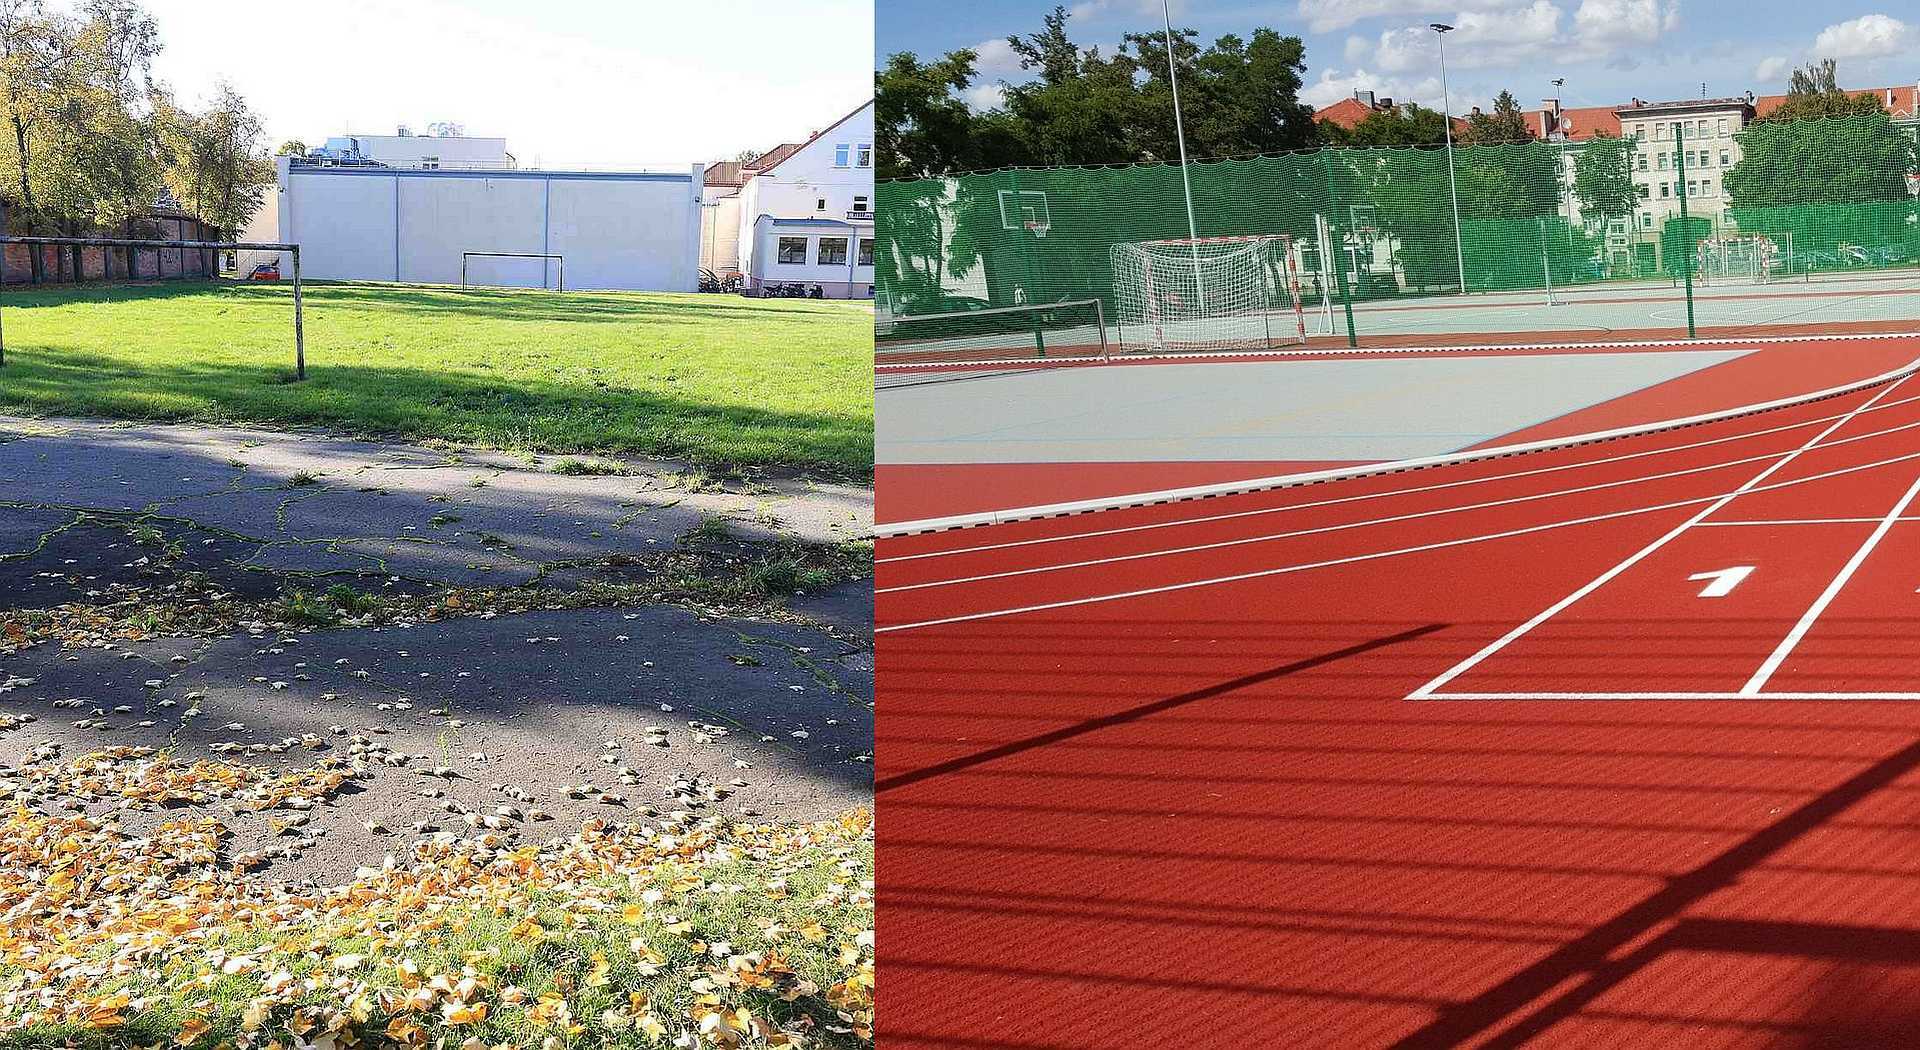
[617, 230]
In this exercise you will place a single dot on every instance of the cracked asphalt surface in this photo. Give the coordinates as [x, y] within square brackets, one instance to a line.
[641, 711]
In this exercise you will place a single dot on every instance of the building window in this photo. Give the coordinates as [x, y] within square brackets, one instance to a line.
[820, 204]
[1666, 189]
[1723, 126]
[1646, 221]
[1645, 191]
[1660, 131]
[793, 250]
[860, 204]
[865, 156]
[430, 163]
[1660, 161]
[833, 251]
[1643, 162]
[1723, 158]
[840, 152]
[866, 251]
[1706, 187]
[1640, 132]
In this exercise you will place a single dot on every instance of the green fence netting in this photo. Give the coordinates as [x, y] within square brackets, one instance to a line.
[1804, 197]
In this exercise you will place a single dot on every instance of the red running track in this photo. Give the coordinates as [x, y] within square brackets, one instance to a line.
[1152, 777]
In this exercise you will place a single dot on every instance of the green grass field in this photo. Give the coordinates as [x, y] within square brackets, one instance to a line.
[716, 379]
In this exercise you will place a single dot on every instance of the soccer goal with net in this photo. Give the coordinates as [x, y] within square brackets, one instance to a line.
[1209, 293]
[1745, 257]
[558, 261]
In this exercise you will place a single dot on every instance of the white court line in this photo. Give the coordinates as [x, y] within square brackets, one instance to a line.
[1193, 492]
[1597, 582]
[1388, 493]
[1165, 552]
[1777, 695]
[1807, 619]
[1438, 545]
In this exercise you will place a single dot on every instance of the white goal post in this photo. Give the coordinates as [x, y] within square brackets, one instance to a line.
[1745, 257]
[561, 285]
[1210, 293]
[299, 329]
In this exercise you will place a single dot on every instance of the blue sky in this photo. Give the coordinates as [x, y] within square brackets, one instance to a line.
[1607, 50]
[588, 83]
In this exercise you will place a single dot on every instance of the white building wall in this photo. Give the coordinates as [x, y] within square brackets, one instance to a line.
[636, 231]
[848, 280]
[720, 234]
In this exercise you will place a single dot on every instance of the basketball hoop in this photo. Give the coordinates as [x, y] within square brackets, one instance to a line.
[1038, 229]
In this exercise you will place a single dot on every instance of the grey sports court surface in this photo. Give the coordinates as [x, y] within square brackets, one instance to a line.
[1275, 409]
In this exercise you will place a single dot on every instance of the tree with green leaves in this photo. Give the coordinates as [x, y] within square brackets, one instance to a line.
[1410, 124]
[1814, 91]
[1505, 124]
[297, 148]
[216, 159]
[1603, 177]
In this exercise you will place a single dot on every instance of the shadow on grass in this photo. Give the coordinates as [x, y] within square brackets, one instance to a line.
[521, 413]
[449, 302]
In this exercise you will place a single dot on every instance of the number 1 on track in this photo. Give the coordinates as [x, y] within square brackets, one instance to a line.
[1724, 580]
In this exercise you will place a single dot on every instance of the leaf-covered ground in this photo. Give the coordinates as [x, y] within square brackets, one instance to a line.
[122, 924]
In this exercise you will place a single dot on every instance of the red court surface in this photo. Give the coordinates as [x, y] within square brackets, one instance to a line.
[1604, 745]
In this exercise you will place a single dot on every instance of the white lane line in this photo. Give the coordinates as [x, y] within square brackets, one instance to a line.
[1360, 497]
[1797, 521]
[1165, 552]
[1438, 545]
[1769, 695]
[1604, 578]
[1807, 619]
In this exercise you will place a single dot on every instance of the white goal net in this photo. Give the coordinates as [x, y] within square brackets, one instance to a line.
[1211, 293]
[1747, 257]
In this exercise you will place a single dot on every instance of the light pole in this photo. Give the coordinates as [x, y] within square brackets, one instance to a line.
[1446, 123]
[1180, 136]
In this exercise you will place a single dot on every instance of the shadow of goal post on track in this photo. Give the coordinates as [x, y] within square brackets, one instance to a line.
[299, 329]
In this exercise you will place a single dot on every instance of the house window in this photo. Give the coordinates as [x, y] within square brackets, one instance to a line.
[859, 204]
[1646, 220]
[833, 251]
[1640, 132]
[840, 153]
[1723, 126]
[430, 163]
[1706, 187]
[1643, 162]
[820, 204]
[793, 250]
[1645, 191]
[865, 156]
[1666, 189]
[1660, 131]
[866, 251]
[1660, 161]
[1723, 158]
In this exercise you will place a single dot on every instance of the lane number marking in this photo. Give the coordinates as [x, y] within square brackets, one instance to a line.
[1724, 580]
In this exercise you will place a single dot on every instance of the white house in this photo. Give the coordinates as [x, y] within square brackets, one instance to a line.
[806, 211]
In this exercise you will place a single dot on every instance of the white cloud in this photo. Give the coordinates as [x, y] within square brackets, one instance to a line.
[1358, 48]
[995, 59]
[1327, 15]
[1536, 33]
[1771, 68]
[1869, 36]
[1335, 85]
[985, 96]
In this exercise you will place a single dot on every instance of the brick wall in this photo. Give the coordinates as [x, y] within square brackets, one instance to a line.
[110, 264]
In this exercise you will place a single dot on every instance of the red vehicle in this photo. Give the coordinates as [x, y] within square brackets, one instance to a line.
[265, 272]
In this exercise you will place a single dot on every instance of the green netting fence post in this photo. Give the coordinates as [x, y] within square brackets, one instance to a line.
[1339, 266]
[1686, 227]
